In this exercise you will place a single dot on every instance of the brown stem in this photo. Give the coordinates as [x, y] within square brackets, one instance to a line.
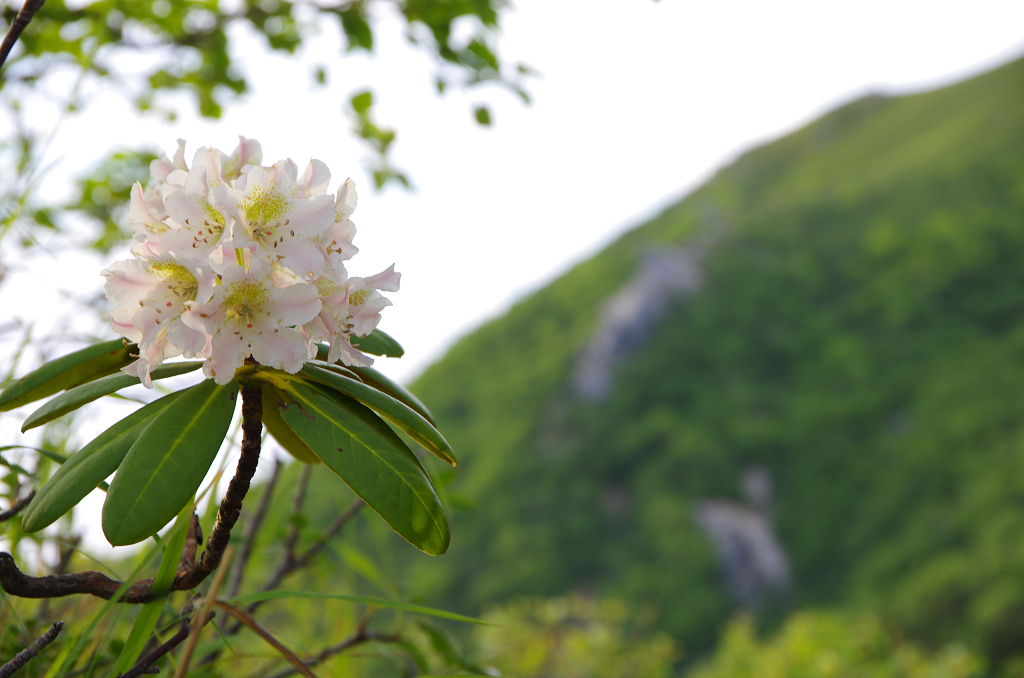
[16, 583]
[24, 16]
[358, 638]
[231, 505]
[145, 665]
[251, 529]
[22, 657]
[16, 507]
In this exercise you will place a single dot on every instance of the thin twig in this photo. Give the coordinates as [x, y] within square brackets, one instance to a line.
[293, 562]
[22, 657]
[204, 616]
[358, 638]
[28, 10]
[145, 665]
[17, 583]
[251, 529]
[331, 530]
[17, 506]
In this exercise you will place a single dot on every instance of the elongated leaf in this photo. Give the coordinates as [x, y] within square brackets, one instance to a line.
[395, 411]
[371, 459]
[83, 471]
[149, 615]
[67, 372]
[393, 389]
[273, 399]
[164, 467]
[86, 393]
[279, 594]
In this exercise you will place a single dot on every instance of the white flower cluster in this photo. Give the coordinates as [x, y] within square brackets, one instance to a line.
[233, 259]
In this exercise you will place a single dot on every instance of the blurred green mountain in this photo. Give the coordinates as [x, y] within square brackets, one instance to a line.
[839, 316]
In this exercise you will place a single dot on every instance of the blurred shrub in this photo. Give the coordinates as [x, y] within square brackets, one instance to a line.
[831, 645]
[575, 637]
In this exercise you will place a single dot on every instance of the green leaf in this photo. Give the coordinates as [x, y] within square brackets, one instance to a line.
[395, 411]
[166, 465]
[67, 372]
[280, 594]
[273, 400]
[148, 617]
[88, 392]
[81, 473]
[357, 30]
[372, 460]
[379, 343]
[393, 389]
[483, 115]
[362, 102]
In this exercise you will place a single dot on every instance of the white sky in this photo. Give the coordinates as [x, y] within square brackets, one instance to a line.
[637, 104]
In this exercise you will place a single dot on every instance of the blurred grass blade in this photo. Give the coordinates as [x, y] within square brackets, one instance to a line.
[395, 411]
[67, 372]
[251, 624]
[167, 463]
[86, 469]
[279, 594]
[86, 393]
[372, 460]
[149, 615]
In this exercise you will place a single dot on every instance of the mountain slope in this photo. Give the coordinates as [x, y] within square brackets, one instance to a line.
[857, 332]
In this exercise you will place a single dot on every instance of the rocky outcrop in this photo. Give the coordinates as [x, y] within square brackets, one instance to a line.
[753, 561]
[628, 318]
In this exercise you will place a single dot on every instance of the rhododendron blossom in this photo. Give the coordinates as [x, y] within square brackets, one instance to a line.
[233, 260]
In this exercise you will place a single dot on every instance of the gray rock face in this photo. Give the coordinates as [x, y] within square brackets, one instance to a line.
[628, 318]
[752, 559]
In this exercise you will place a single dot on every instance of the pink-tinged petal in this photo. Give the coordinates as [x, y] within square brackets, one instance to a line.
[190, 342]
[206, 318]
[139, 215]
[120, 318]
[129, 282]
[295, 305]
[279, 347]
[248, 152]
[313, 182]
[345, 203]
[336, 245]
[179, 156]
[160, 168]
[387, 280]
[348, 354]
[147, 320]
[300, 255]
[228, 353]
[316, 329]
[207, 162]
[311, 217]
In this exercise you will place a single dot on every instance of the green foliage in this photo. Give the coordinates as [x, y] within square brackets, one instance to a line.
[74, 369]
[575, 637]
[83, 394]
[858, 334]
[395, 411]
[371, 459]
[831, 645]
[166, 464]
[85, 470]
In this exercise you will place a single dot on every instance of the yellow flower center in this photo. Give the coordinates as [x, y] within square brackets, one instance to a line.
[263, 207]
